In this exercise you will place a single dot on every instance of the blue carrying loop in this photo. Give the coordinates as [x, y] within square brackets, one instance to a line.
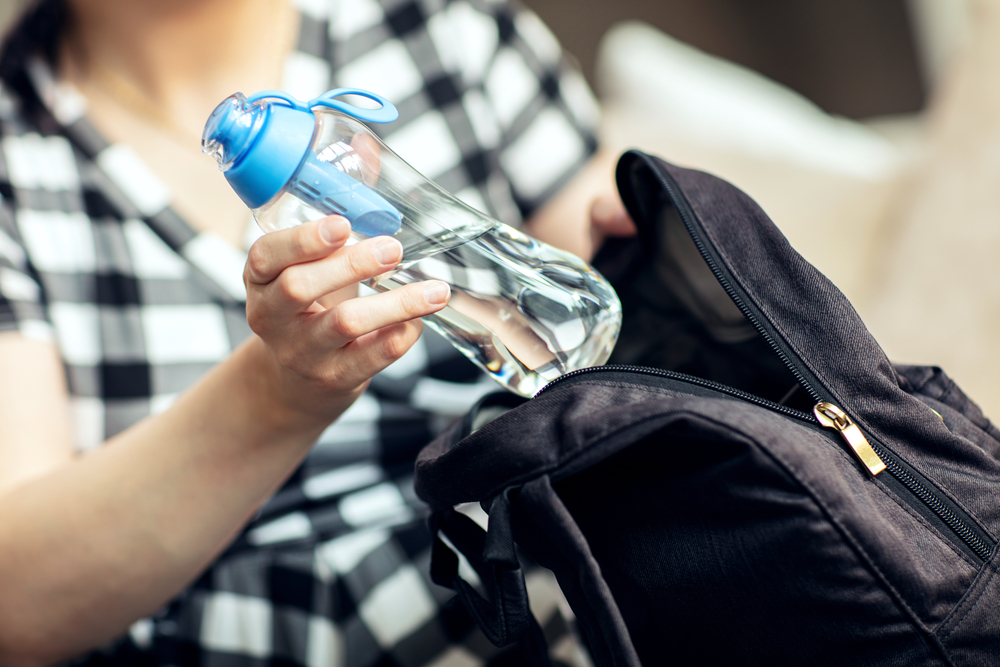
[288, 100]
[386, 113]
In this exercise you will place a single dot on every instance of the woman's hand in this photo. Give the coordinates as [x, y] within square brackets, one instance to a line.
[326, 354]
[585, 212]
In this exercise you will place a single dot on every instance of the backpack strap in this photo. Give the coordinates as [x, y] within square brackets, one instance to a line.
[559, 544]
[507, 618]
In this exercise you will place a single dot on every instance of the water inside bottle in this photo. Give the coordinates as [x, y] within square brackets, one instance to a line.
[523, 320]
[523, 311]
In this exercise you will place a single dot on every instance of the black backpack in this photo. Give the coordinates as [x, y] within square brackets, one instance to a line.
[749, 480]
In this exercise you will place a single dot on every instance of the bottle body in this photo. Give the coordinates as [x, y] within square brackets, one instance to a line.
[523, 311]
[520, 313]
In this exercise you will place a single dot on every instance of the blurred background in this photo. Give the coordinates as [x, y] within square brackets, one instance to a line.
[858, 58]
[869, 130]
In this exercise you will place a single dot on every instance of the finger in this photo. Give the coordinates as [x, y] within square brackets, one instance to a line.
[373, 352]
[273, 253]
[367, 148]
[356, 318]
[610, 218]
[300, 285]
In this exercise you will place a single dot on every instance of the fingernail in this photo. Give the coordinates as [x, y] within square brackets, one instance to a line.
[386, 251]
[333, 229]
[437, 293]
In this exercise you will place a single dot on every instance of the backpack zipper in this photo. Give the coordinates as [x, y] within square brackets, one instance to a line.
[688, 379]
[877, 459]
[908, 484]
[905, 481]
[830, 416]
[827, 414]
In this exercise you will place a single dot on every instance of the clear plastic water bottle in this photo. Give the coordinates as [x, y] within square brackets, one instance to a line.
[523, 311]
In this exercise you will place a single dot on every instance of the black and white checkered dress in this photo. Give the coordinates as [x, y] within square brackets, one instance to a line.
[334, 570]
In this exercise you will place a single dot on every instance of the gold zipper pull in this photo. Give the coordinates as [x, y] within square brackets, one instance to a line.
[830, 416]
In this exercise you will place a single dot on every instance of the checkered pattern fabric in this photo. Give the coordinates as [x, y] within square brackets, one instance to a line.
[333, 571]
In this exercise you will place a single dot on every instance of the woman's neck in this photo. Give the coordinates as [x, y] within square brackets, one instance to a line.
[180, 56]
[153, 70]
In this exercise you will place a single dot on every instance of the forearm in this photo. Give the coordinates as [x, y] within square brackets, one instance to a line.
[99, 542]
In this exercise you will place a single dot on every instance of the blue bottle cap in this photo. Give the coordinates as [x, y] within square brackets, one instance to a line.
[259, 144]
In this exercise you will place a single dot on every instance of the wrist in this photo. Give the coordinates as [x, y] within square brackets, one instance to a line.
[290, 401]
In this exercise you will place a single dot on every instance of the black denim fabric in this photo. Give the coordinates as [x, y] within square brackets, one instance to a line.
[689, 526]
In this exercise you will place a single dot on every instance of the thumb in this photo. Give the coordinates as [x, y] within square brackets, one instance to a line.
[608, 217]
